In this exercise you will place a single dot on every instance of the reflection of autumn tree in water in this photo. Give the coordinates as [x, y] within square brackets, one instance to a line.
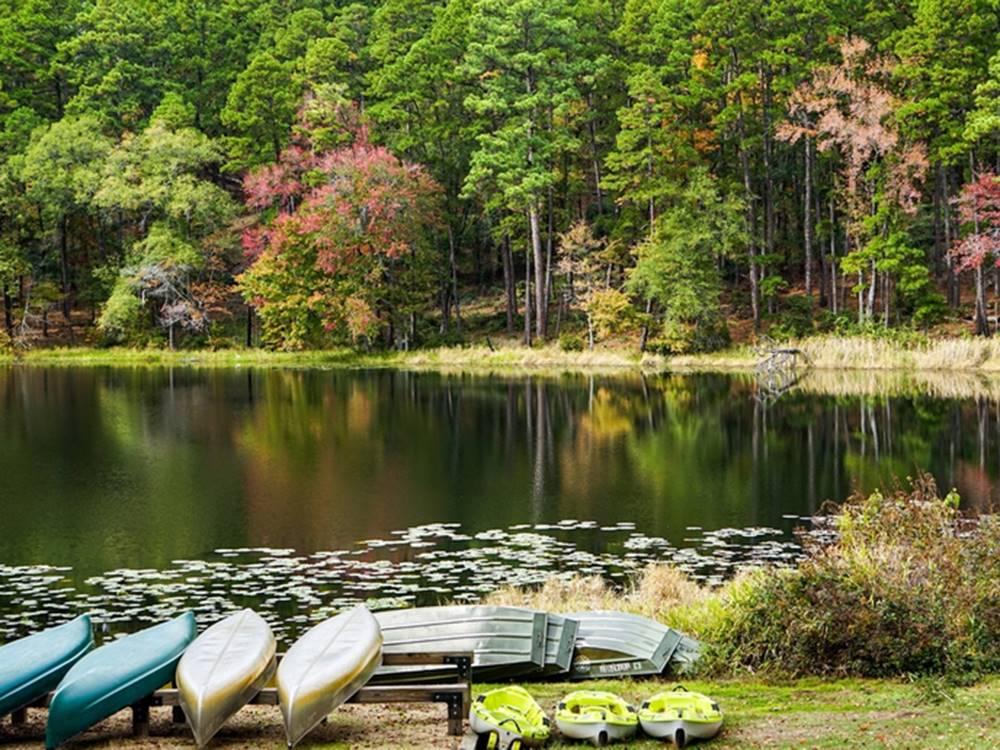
[387, 451]
[160, 464]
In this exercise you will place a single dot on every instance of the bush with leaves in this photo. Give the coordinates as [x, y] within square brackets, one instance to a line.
[904, 585]
[676, 267]
[571, 342]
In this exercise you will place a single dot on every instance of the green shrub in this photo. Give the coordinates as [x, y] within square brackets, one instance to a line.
[707, 335]
[795, 320]
[611, 312]
[571, 342]
[907, 587]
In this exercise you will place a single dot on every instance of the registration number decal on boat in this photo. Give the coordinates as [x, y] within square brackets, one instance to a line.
[619, 667]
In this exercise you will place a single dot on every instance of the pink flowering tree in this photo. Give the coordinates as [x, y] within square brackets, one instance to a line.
[339, 249]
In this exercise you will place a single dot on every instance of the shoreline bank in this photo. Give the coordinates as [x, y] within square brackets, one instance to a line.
[834, 354]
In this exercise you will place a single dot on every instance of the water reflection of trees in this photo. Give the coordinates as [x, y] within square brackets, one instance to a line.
[184, 460]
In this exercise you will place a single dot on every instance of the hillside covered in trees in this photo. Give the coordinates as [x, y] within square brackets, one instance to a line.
[307, 174]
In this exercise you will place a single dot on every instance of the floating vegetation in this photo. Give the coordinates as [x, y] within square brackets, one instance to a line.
[420, 565]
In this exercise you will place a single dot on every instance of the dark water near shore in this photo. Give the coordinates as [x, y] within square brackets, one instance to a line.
[136, 492]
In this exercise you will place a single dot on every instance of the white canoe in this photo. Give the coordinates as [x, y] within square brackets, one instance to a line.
[325, 667]
[223, 669]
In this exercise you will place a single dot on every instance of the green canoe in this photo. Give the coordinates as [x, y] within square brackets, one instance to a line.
[115, 676]
[31, 667]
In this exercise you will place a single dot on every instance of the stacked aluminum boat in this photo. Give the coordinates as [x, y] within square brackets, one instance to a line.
[513, 642]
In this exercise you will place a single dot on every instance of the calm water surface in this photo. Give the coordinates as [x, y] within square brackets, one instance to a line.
[118, 485]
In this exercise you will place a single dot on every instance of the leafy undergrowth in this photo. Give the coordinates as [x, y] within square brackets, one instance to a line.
[905, 586]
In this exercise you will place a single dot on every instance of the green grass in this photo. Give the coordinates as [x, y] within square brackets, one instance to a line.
[842, 714]
[829, 714]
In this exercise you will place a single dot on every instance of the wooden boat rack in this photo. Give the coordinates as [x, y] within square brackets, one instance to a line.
[456, 694]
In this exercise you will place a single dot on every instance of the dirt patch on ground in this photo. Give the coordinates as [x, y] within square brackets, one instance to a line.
[410, 726]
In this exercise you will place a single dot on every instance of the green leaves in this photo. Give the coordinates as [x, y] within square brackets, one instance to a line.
[983, 120]
[61, 169]
[676, 267]
[259, 111]
[523, 55]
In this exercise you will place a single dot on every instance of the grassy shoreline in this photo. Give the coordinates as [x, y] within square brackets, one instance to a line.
[444, 359]
[824, 353]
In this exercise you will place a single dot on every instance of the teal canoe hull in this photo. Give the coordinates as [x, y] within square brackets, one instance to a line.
[31, 667]
[115, 676]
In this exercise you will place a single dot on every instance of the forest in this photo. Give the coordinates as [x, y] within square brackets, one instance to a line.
[672, 174]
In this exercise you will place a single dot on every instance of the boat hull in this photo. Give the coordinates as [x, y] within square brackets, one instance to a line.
[32, 667]
[596, 716]
[505, 641]
[115, 676]
[679, 731]
[325, 667]
[599, 733]
[222, 671]
[680, 716]
[617, 644]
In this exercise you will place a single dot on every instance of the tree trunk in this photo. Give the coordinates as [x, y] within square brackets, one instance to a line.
[871, 292]
[833, 259]
[861, 298]
[595, 159]
[508, 283]
[64, 264]
[454, 277]
[953, 293]
[886, 298]
[982, 321]
[536, 248]
[644, 338]
[8, 314]
[765, 86]
[549, 241]
[752, 245]
[527, 295]
[807, 218]
[751, 220]
[249, 326]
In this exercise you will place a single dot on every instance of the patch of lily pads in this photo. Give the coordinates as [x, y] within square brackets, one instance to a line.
[416, 566]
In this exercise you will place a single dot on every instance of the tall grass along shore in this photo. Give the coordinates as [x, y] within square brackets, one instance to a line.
[822, 353]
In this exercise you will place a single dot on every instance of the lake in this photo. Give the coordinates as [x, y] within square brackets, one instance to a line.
[135, 492]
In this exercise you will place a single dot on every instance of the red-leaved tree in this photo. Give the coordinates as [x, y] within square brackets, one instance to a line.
[979, 208]
[340, 249]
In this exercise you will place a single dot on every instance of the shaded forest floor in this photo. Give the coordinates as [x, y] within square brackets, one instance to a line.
[799, 714]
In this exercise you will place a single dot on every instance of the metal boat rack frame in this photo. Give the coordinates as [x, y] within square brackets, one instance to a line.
[456, 694]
